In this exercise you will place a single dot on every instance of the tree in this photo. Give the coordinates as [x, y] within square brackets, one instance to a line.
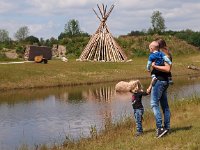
[22, 33]
[158, 22]
[137, 33]
[42, 42]
[32, 39]
[62, 36]
[72, 28]
[52, 41]
[4, 35]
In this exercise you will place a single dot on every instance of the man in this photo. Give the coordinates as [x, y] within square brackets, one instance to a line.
[159, 96]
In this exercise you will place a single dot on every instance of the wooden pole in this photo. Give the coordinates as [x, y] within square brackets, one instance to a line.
[96, 14]
[100, 11]
[102, 45]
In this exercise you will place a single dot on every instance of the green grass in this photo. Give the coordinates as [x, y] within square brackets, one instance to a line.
[57, 73]
[185, 127]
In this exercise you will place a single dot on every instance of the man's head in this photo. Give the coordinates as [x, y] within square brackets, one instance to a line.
[153, 46]
[163, 46]
[162, 43]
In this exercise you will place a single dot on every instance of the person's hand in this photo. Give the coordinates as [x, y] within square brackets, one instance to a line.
[149, 90]
[153, 64]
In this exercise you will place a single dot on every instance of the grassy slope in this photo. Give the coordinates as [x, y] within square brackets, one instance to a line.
[136, 46]
[185, 127]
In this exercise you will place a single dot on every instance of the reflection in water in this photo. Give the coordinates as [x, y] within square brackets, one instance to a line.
[105, 94]
[101, 94]
[46, 116]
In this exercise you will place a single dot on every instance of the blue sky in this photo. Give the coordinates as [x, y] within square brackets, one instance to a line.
[46, 18]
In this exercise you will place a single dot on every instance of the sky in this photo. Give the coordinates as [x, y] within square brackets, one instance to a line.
[47, 18]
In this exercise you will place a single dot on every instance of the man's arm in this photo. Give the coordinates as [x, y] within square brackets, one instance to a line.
[167, 60]
[165, 68]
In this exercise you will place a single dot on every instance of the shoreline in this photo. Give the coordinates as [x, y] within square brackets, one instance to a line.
[71, 84]
[87, 83]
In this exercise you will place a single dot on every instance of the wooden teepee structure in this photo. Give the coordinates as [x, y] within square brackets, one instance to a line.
[102, 46]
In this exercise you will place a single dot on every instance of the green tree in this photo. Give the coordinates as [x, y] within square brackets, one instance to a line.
[62, 36]
[32, 39]
[4, 35]
[158, 22]
[72, 28]
[52, 41]
[22, 33]
[190, 36]
[42, 42]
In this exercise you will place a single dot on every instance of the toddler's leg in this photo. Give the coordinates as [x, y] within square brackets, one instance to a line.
[138, 113]
[154, 79]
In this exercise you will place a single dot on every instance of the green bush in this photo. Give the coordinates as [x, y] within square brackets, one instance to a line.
[75, 45]
[20, 51]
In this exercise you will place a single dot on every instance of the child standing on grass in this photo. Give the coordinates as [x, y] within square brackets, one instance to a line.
[138, 108]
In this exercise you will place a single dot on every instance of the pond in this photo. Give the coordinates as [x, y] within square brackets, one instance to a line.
[49, 116]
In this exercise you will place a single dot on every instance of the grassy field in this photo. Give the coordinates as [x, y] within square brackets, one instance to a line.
[184, 134]
[57, 73]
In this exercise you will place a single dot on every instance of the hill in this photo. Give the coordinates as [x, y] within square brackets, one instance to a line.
[138, 45]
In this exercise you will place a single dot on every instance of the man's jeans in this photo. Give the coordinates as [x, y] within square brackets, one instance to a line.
[138, 113]
[159, 95]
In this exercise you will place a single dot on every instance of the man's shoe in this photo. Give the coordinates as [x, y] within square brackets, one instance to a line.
[168, 131]
[161, 132]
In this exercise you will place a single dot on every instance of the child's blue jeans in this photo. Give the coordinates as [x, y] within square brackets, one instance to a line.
[138, 113]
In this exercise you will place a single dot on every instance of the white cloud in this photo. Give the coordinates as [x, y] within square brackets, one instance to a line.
[49, 28]
[46, 18]
[50, 7]
[6, 7]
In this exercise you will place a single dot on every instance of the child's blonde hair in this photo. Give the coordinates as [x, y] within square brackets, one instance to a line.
[136, 86]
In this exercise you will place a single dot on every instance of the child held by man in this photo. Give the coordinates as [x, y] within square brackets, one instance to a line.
[159, 58]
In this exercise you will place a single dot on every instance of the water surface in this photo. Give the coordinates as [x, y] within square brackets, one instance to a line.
[48, 116]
